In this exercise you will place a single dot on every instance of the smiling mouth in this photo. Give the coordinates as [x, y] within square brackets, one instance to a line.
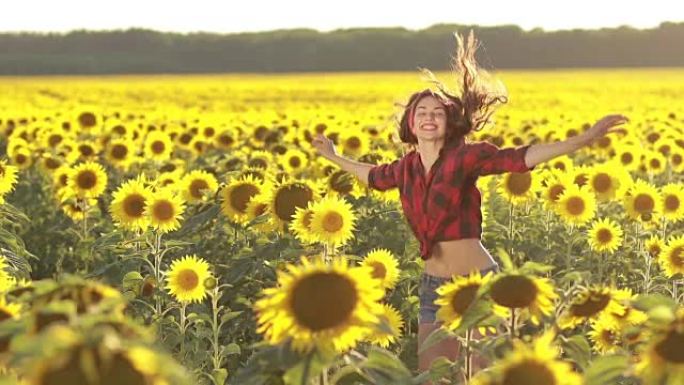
[429, 127]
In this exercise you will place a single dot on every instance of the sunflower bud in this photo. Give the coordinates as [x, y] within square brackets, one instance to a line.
[148, 286]
[210, 283]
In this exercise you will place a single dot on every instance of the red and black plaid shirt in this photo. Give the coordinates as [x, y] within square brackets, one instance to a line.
[445, 204]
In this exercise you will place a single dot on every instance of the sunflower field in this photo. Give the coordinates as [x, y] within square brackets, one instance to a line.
[166, 230]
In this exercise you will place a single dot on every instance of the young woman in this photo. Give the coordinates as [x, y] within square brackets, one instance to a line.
[437, 180]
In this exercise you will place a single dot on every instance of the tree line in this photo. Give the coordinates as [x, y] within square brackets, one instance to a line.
[139, 51]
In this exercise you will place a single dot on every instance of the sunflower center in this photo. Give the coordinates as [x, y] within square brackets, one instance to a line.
[529, 372]
[209, 132]
[260, 209]
[323, 300]
[672, 347]
[626, 158]
[241, 195]
[119, 151]
[559, 166]
[555, 191]
[519, 183]
[158, 147]
[134, 205]
[87, 119]
[332, 222]
[575, 206]
[514, 291]
[353, 143]
[677, 159]
[677, 256]
[464, 297]
[187, 279]
[341, 182]
[289, 198]
[295, 162]
[644, 203]
[671, 203]
[52, 163]
[21, 158]
[258, 162]
[581, 179]
[226, 140]
[604, 236]
[86, 179]
[653, 137]
[655, 163]
[86, 150]
[602, 183]
[379, 270]
[196, 187]
[4, 315]
[163, 210]
[593, 305]
[55, 140]
[654, 250]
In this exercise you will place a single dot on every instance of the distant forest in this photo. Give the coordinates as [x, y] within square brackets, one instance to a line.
[139, 51]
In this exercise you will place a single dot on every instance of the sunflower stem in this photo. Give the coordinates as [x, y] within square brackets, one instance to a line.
[510, 228]
[512, 324]
[468, 357]
[215, 296]
[183, 327]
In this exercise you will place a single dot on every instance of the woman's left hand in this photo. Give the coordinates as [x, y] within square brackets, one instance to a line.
[606, 125]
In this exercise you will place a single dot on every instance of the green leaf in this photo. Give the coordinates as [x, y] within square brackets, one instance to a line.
[506, 261]
[606, 370]
[647, 302]
[219, 376]
[231, 348]
[578, 349]
[435, 337]
[309, 367]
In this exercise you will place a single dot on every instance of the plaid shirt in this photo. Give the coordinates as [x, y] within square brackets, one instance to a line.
[445, 204]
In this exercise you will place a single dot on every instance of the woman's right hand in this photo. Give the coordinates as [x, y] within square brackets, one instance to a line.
[325, 146]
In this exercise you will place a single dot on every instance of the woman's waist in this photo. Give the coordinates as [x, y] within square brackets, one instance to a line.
[458, 256]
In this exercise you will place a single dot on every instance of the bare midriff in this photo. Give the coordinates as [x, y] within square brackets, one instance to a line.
[459, 256]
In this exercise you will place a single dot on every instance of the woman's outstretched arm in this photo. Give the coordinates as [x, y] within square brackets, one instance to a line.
[540, 153]
[326, 148]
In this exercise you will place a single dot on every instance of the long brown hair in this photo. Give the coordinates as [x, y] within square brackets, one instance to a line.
[470, 107]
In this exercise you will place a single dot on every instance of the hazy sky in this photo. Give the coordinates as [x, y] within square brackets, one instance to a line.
[259, 15]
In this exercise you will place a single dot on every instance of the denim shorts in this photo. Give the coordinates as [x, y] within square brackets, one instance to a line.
[426, 293]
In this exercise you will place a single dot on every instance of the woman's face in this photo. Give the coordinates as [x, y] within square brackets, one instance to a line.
[429, 119]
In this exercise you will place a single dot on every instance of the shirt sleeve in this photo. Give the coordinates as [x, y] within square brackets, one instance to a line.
[491, 159]
[385, 176]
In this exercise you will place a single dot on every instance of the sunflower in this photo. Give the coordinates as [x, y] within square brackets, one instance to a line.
[671, 258]
[88, 180]
[591, 303]
[128, 205]
[353, 144]
[87, 150]
[49, 163]
[456, 296]
[562, 163]
[340, 183]
[676, 160]
[8, 177]
[654, 246]
[236, 196]
[673, 201]
[642, 201]
[290, 194]
[8, 310]
[385, 267]
[661, 361]
[257, 207]
[537, 364]
[556, 183]
[120, 153]
[158, 146]
[605, 336]
[654, 162]
[198, 146]
[77, 208]
[514, 290]
[332, 221]
[186, 277]
[301, 224]
[225, 140]
[165, 210]
[294, 161]
[389, 330]
[22, 158]
[519, 188]
[576, 205]
[628, 156]
[604, 182]
[605, 235]
[197, 185]
[260, 159]
[580, 175]
[52, 137]
[328, 306]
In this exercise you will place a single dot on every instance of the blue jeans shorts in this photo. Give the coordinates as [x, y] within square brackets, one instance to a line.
[426, 293]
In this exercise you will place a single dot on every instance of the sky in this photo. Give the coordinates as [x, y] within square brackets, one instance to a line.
[230, 16]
